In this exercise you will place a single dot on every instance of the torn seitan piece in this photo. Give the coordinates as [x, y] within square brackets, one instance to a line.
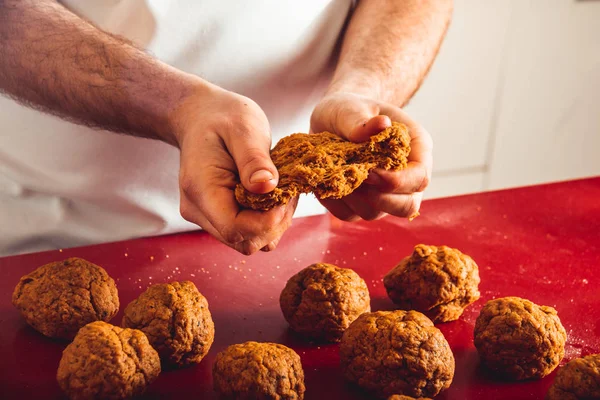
[327, 165]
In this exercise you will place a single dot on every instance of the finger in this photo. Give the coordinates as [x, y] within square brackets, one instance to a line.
[421, 143]
[421, 152]
[207, 184]
[348, 116]
[271, 246]
[339, 210]
[290, 209]
[415, 178]
[249, 144]
[359, 202]
[400, 205]
[373, 126]
[249, 244]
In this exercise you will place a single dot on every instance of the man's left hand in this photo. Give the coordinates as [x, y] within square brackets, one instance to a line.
[398, 193]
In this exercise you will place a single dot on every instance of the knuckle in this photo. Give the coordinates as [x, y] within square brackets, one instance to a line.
[248, 247]
[231, 235]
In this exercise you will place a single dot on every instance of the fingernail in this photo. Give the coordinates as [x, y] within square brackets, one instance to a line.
[261, 176]
[373, 179]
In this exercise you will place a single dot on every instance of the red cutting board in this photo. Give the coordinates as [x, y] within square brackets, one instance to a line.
[541, 243]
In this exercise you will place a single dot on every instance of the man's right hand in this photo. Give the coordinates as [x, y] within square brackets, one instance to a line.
[223, 136]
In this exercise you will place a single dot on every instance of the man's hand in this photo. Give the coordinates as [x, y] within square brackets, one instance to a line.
[222, 135]
[399, 193]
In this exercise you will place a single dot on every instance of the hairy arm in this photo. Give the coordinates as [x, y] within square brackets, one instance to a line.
[55, 61]
[389, 47]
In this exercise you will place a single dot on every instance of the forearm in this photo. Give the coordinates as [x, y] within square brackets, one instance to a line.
[389, 47]
[55, 61]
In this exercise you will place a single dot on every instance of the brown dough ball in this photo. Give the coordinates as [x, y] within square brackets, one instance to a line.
[322, 300]
[107, 362]
[176, 319]
[579, 379]
[437, 281]
[59, 298]
[397, 352]
[258, 371]
[403, 397]
[519, 339]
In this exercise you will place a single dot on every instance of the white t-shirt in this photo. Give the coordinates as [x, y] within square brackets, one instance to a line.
[65, 185]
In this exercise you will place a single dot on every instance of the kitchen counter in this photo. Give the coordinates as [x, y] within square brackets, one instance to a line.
[541, 243]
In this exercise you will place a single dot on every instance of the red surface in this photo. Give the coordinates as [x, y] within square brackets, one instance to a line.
[541, 243]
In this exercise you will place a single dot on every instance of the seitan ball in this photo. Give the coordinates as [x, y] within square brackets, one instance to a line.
[59, 298]
[258, 371]
[437, 281]
[176, 319]
[518, 339]
[397, 352]
[579, 379]
[107, 362]
[322, 300]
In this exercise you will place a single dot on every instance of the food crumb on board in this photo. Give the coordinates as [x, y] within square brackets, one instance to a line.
[151, 258]
[167, 256]
[585, 281]
[193, 275]
[364, 253]
[60, 250]
[243, 261]
[381, 249]
[277, 267]
[126, 255]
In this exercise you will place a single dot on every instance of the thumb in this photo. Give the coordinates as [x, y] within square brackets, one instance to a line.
[354, 119]
[250, 152]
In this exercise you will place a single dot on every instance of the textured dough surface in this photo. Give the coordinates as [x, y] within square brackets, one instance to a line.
[579, 379]
[397, 352]
[519, 339]
[258, 371]
[438, 281]
[322, 300]
[176, 319]
[327, 165]
[59, 298]
[107, 362]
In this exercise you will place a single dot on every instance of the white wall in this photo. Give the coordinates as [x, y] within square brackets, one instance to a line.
[514, 96]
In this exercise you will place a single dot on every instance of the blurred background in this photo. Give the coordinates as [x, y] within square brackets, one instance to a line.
[514, 96]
